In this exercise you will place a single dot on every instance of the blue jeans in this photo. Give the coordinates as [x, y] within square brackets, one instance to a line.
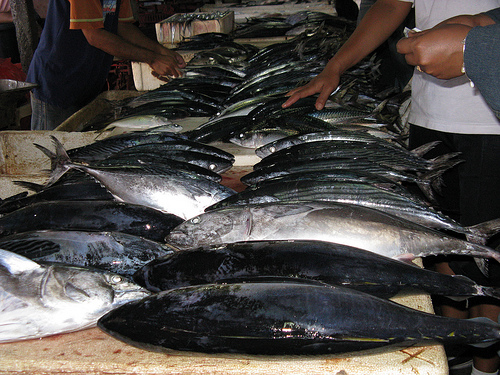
[48, 117]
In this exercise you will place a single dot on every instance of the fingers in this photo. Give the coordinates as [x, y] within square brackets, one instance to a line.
[297, 94]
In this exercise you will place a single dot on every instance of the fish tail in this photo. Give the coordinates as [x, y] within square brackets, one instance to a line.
[425, 148]
[445, 161]
[481, 232]
[430, 183]
[60, 162]
[489, 292]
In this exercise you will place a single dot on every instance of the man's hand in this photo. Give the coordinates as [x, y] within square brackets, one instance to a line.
[324, 84]
[168, 63]
[437, 51]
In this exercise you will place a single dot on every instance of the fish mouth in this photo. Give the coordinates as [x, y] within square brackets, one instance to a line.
[124, 296]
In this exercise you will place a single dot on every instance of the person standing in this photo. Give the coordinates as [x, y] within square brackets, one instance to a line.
[79, 40]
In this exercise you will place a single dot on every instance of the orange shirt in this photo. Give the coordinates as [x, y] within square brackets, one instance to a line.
[88, 14]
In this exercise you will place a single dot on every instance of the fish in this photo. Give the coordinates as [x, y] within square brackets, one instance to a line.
[283, 318]
[393, 199]
[116, 252]
[327, 262]
[381, 153]
[208, 162]
[93, 215]
[77, 186]
[260, 137]
[427, 182]
[103, 148]
[334, 134]
[39, 300]
[132, 123]
[346, 224]
[172, 191]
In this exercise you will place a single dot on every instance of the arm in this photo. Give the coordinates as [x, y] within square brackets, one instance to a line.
[482, 54]
[131, 44]
[377, 25]
[439, 51]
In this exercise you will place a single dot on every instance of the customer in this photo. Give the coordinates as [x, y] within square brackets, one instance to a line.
[441, 52]
[75, 53]
[450, 111]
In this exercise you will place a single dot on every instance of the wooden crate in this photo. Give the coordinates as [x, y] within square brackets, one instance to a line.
[170, 32]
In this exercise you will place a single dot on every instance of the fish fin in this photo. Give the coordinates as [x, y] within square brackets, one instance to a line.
[249, 223]
[15, 197]
[479, 233]
[405, 258]
[29, 185]
[16, 264]
[8, 303]
[31, 248]
[489, 291]
[446, 161]
[425, 148]
[59, 164]
[483, 266]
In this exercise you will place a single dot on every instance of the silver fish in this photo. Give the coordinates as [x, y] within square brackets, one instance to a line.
[178, 192]
[345, 224]
[38, 300]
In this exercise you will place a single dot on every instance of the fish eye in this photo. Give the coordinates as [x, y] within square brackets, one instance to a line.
[212, 167]
[272, 149]
[195, 220]
[116, 279]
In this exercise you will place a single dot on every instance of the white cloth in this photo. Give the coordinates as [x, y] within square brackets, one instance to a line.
[451, 106]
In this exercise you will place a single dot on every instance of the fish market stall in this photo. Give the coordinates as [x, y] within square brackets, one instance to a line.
[231, 113]
[92, 351]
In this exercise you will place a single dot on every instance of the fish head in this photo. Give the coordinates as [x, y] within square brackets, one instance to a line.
[213, 227]
[89, 289]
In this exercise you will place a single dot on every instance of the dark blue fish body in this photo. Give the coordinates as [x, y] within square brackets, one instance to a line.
[282, 318]
[116, 252]
[90, 215]
[330, 263]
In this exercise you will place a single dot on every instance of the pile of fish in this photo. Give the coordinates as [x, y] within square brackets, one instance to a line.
[69, 249]
[303, 261]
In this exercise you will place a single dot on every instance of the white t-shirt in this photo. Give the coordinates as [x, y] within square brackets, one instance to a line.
[449, 105]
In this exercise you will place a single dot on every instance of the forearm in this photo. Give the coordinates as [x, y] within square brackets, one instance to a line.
[375, 27]
[132, 34]
[118, 46]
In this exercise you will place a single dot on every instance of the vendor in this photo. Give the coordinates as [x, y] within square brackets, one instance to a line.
[75, 53]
